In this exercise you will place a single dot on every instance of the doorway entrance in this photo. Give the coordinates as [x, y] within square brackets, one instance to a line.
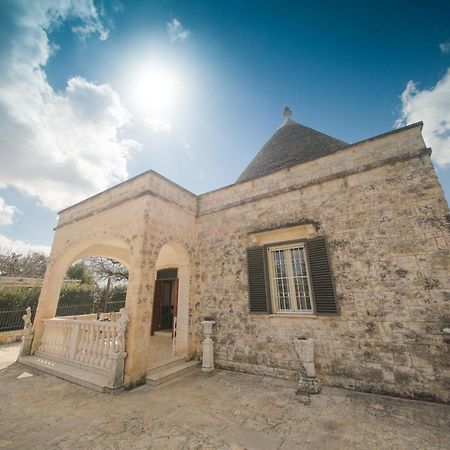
[165, 300]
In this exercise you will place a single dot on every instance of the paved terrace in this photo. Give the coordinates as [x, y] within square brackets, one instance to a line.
[227, 410]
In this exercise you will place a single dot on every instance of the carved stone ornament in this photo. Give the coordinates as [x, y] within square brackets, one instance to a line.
[308, 383]
[28, 325]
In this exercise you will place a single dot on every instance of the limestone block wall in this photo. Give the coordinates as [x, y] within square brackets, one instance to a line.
[387, 225]
[146, 184]
[132, 231]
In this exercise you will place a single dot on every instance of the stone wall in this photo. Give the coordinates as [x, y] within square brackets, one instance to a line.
[9, 337]
[388, 231]
[132, 232]
[382, 209]
[148, 183]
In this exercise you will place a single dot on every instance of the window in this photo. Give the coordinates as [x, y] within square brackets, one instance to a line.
[289, 279]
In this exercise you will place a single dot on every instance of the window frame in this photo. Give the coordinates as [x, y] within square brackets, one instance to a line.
[272, 289]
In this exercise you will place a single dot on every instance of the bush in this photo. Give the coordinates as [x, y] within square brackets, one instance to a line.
[19, 298]
[77, 295]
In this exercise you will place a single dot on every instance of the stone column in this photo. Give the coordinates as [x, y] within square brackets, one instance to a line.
[118, 354]
[138, 306]
[48, 299]
[208, 347]
[183, 310]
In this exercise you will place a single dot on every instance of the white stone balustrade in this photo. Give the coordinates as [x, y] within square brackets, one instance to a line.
[94, 345]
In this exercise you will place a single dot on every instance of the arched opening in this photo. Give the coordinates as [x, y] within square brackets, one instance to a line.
[95, 285]
[61, 258]
[170, 312]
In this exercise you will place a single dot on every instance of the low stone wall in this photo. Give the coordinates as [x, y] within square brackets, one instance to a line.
[8, 337]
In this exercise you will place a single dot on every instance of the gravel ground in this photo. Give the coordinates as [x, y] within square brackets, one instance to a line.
[226, 410]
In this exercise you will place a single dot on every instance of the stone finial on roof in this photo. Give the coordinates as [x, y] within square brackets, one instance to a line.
[287, 112]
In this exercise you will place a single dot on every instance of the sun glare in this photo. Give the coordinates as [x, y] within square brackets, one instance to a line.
[154, 89]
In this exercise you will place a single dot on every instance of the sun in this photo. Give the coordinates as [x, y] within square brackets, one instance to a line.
[154, 89]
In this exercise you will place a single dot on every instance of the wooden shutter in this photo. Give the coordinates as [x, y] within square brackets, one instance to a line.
[257, 284]
[321, 279]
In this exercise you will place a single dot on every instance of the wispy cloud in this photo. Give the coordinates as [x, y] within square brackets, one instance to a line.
[158, 125]
[187, 147]
[63, 145]
[7, 212]
[177, 33]
[445, 47]
[24, 248]
[432, 106]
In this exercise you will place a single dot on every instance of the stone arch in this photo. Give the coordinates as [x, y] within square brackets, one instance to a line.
[61, 258]
[114, 247]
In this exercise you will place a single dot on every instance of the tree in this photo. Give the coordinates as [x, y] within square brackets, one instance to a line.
[14, 264]
[81, 271]
[109, 271]
[105, 269]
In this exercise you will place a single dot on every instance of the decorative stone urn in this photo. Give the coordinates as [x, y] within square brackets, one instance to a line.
[307, 381]
[208, 344]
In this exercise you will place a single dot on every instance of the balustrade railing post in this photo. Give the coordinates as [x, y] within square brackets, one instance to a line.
[74, 338]
[117, 352]
[93, 345]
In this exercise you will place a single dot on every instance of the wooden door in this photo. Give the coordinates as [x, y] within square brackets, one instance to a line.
[164, 304]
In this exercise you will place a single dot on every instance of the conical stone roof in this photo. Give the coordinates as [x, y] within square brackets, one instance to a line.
[291, 144]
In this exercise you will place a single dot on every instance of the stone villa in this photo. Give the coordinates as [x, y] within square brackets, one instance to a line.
[344, 244]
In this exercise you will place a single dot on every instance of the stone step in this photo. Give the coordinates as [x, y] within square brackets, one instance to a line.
[163, 333]
[67, 372]
[166, 363]
[165, 373]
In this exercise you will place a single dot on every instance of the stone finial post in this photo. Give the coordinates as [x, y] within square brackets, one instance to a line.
[208, 347]
[118, 354]
[307, 381]
[27, 337]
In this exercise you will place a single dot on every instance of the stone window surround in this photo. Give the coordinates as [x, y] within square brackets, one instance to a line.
[285, 235]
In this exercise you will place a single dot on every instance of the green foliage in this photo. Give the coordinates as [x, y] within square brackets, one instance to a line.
[18, 298]
[77, 295]
[95, 297]
[79, 271]
[118, 294]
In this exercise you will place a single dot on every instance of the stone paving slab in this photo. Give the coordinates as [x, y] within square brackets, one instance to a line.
[9, 354]
[226, 411]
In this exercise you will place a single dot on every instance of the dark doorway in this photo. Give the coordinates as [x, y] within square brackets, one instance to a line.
[165, 300]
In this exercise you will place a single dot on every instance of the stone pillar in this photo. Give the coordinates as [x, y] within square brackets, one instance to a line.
[307, 382]
[208, 347]
[118, 354]
[48, 299]
[138, 306]
[184, 273]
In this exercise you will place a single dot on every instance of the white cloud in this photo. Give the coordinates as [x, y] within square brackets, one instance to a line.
[7, 212]
[176, 31]
[57, 146]
[445, 47]
[11, 245]
[90, 22]
[432, 106]
[158, 125]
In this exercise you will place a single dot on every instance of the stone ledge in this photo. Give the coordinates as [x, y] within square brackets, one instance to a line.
[9, 337]
[67, 372]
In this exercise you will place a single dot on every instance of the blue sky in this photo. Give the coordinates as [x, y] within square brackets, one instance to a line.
[93, 93]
